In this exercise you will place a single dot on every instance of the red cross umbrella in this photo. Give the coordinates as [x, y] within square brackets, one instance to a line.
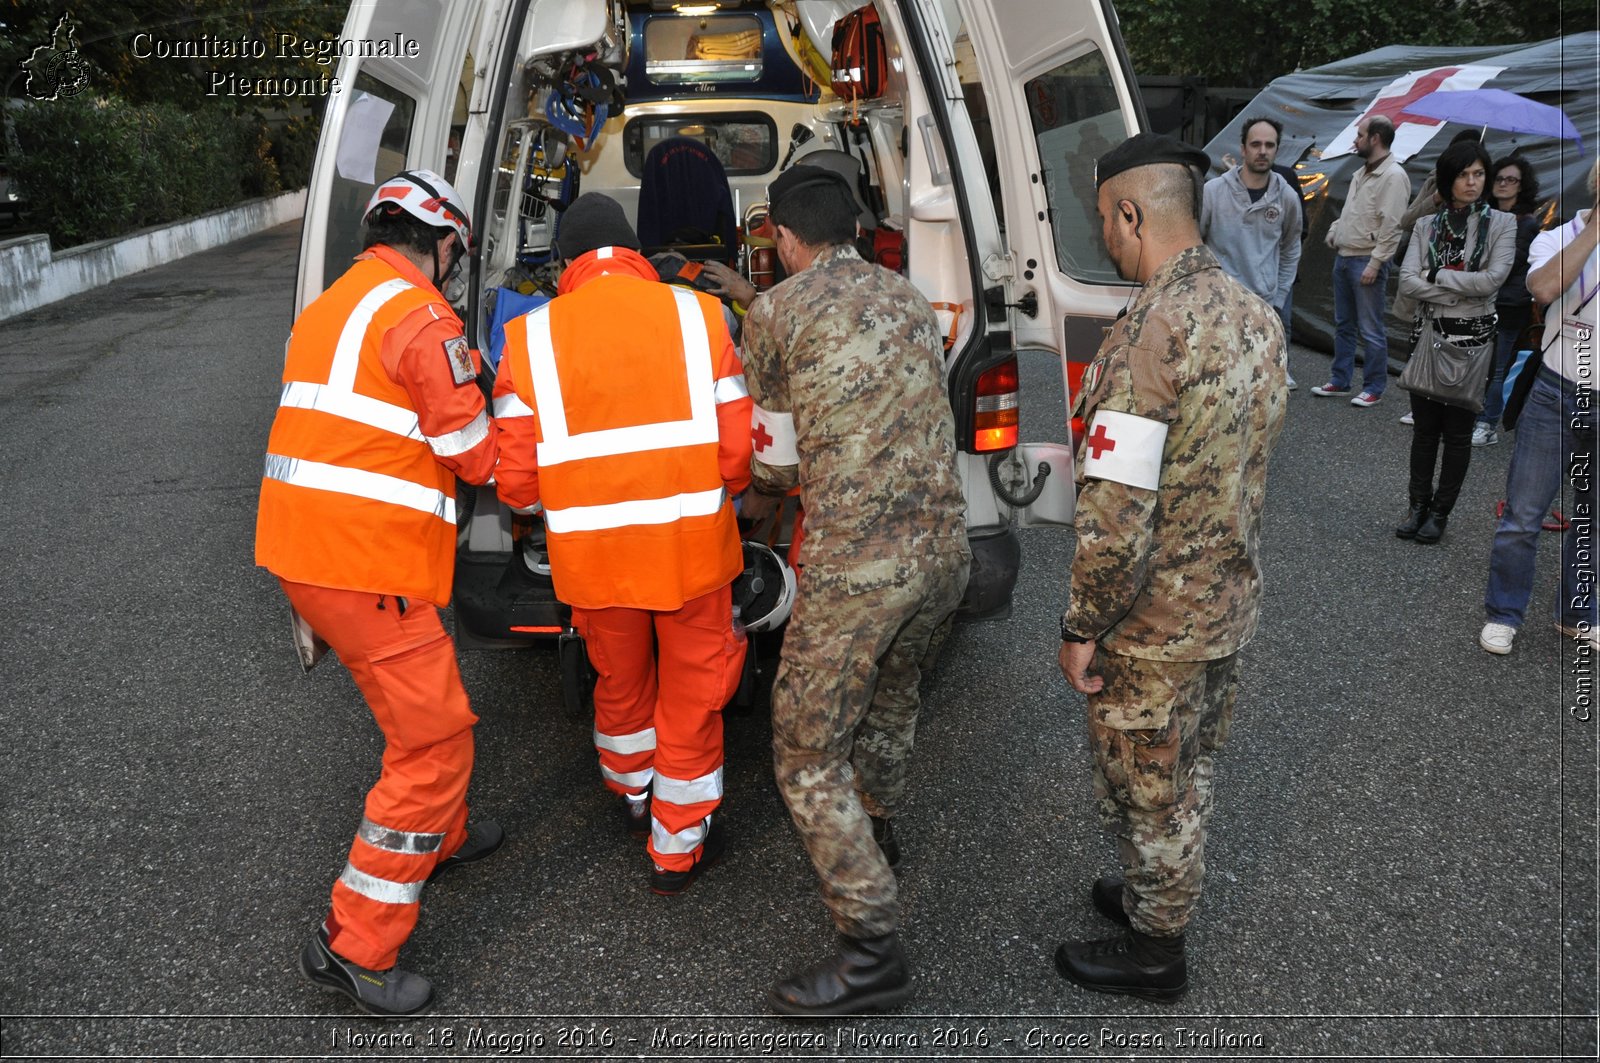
[1497, 109]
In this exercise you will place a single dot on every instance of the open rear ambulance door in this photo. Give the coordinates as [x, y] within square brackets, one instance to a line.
[1060, 93]
[393, 110]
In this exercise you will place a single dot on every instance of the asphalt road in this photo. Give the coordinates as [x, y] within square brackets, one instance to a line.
[1402, 863]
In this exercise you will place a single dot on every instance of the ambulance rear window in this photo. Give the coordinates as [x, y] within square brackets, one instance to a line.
[746, 142]
[1076, 118]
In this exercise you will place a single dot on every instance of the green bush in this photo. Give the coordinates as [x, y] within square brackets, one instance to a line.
[294, 147]
[93, 169]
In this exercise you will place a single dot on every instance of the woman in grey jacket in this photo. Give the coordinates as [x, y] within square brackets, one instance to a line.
[1454, 266]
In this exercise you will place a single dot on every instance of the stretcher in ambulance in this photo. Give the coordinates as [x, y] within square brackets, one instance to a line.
[968, 127]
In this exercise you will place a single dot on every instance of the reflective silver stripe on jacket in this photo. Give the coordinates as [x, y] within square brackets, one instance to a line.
[347, 353]
[398, 841]
[639, 511]
[510, 405]
[638, 742]
[730, 388]
[688, 791]
[685, 841]
[632, 780]
[381, 889]
[363, 409]
[378, 487]
[462, 439]
[558, 445]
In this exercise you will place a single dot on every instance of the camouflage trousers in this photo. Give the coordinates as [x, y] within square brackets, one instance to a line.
[1153, 730]
[844, 716]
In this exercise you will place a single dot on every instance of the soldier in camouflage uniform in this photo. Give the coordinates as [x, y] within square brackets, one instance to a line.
[844, 361]
[1184, 402]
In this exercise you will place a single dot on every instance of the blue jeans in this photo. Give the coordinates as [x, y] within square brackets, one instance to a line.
[1505, 352]
[1555, 443]
[1358, 316]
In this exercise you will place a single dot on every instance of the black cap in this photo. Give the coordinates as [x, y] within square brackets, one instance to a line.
[1148, 149]
[796, 177]
[594, 220]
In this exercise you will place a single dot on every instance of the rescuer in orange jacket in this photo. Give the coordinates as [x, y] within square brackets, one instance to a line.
[380, 412]
[624, 414]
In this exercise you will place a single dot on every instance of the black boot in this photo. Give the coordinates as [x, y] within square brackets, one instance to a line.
[867, 974]
[1416, 516]
[1432, 529]
[1131, 963]
[1107, 896]
[883, 834]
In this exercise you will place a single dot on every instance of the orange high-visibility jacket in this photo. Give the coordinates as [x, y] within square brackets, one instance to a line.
[380, 411]
[624, 413]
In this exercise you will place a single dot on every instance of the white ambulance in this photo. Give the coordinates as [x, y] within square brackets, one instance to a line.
[969, 127]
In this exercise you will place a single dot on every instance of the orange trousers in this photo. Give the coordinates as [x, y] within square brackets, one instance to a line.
[663, 679]
[416, 814]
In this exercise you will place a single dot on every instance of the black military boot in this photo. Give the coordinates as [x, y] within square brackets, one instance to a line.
[1432, 529]
[883, 834]
[1131, 963]
[1416, 516]
[1107, 895]
[867, 974]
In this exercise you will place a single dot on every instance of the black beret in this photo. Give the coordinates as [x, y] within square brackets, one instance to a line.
[1147, 149]
[593, 221]
[796, 177]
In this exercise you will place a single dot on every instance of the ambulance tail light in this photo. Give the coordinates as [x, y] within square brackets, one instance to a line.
[995, 408]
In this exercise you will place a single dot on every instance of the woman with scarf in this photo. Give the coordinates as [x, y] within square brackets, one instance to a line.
[1455, 264]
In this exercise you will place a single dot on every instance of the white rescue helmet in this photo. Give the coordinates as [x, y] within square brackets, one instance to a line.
[427, 197]
[764, 592]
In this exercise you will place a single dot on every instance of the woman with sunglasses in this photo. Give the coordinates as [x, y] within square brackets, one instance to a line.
[1514, 189]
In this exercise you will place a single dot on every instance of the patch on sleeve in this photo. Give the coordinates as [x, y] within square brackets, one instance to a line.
[459, 354]
[773, 436]
[1124, 448]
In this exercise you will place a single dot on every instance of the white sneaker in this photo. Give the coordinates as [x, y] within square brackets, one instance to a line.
[1292, 384]
[1406, 418]
[1496, 638]
[1484, 435]
[1581, 633]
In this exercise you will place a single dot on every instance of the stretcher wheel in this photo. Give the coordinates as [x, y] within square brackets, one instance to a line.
[577, 677]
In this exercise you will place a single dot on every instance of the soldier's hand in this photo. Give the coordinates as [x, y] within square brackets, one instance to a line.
[1075, 659]
[730, 284]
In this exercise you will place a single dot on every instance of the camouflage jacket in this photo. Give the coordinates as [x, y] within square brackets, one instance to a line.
[853, 351]
[1171, 573]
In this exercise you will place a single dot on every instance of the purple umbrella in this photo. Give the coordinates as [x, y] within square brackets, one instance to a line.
[1496, 109]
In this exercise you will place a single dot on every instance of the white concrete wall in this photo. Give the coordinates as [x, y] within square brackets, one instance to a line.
[31, 276]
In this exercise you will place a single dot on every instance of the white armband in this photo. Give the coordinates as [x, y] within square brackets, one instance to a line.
[1125, 448]
[773, 435]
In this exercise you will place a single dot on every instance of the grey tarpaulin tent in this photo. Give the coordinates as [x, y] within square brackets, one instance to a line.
[1319, 108]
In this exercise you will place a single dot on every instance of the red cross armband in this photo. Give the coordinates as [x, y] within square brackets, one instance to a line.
[772, 434]
[1124, 448]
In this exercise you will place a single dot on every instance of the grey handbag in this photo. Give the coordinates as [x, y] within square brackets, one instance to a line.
[1447, 372]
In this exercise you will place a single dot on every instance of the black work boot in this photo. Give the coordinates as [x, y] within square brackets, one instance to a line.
[867, 974]
[665, 883]
[1432, 529]
[390, 994]
[1131, 963]
[1107, 895]
[483, 838]
[883, 834]
[1415, 517]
